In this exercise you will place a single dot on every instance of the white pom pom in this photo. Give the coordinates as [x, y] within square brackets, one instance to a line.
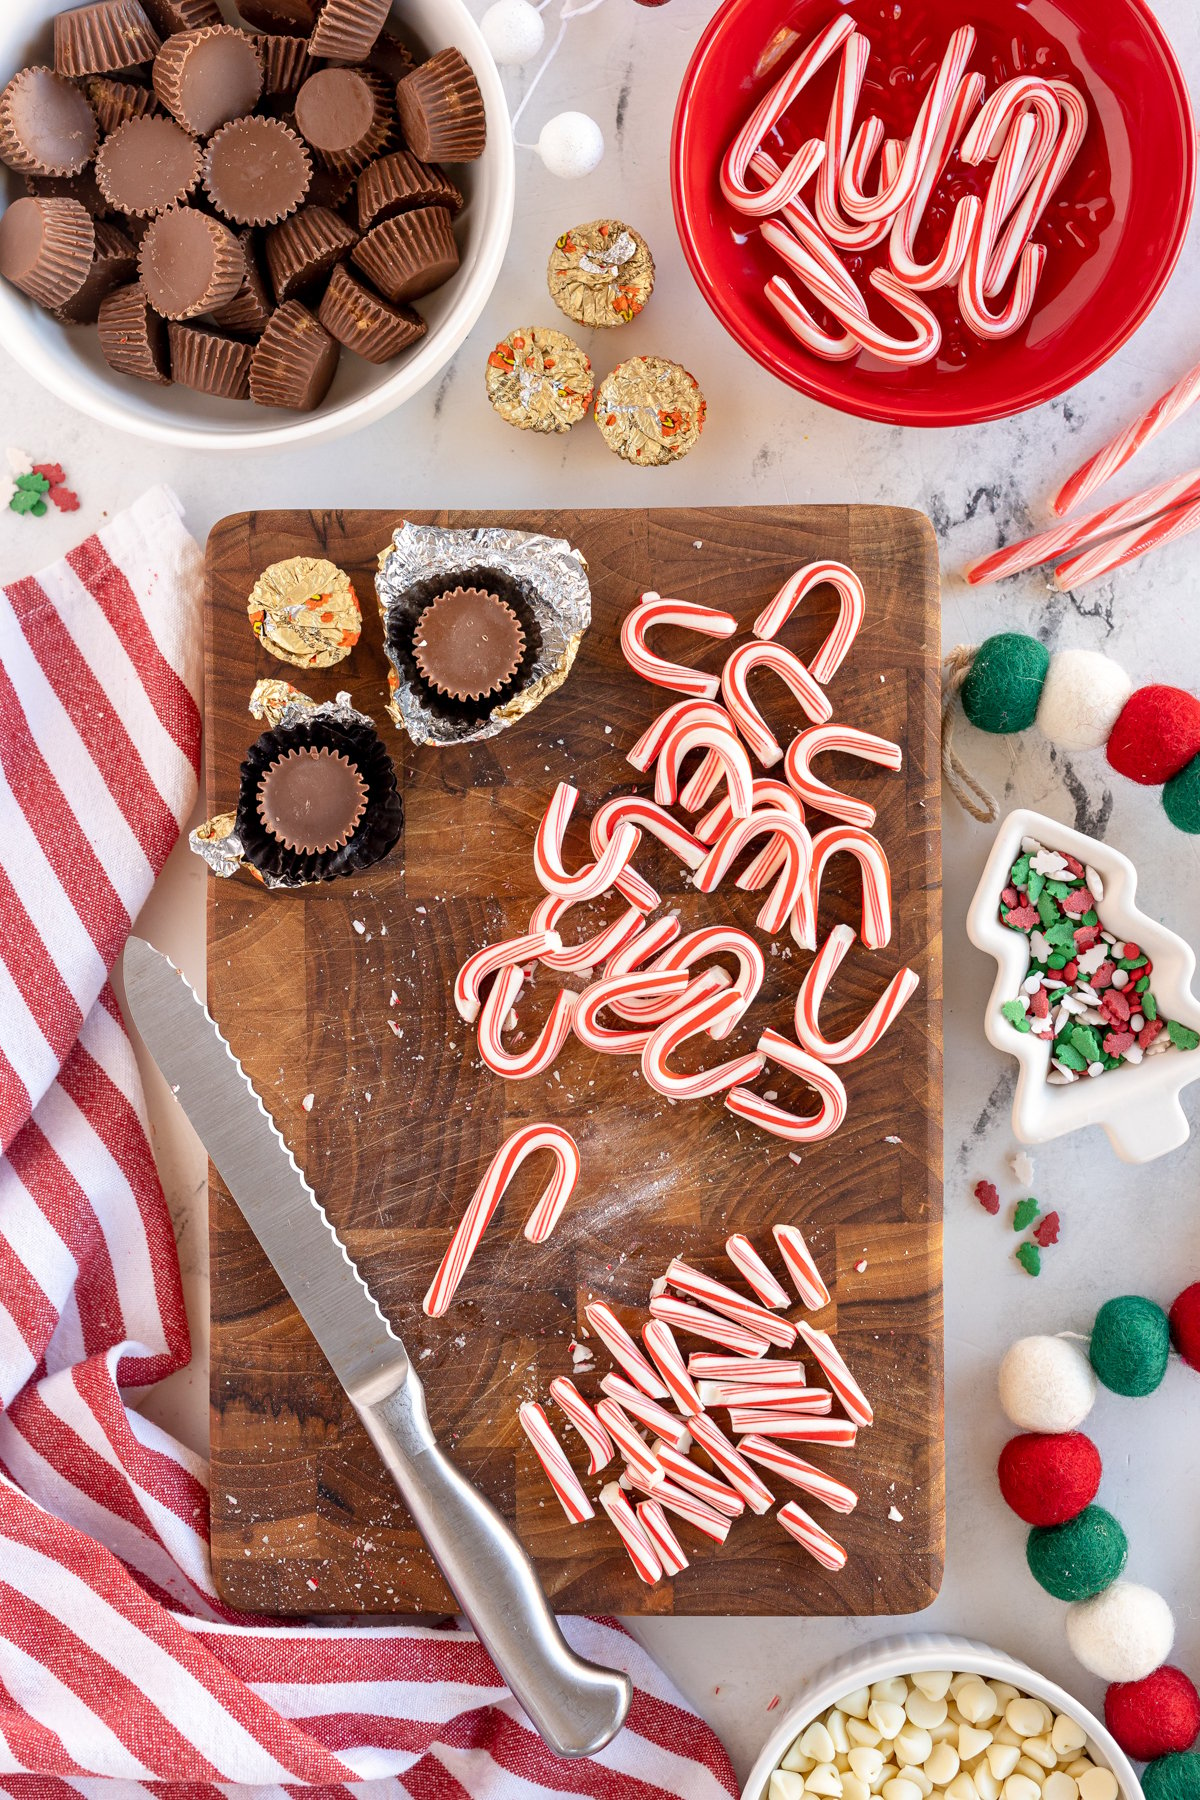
[1123, 1633]
[571, 145]
[513, 31]
[1082, 697]
[1046, 1384]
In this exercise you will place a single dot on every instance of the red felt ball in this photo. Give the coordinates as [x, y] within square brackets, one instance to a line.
[1184, 1318]
[1049, 1477]
[1155, 1716]
[1156, 734]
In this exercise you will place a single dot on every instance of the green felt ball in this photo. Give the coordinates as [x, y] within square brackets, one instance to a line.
[1131, 1341]
[1079, 1559]
[1175, 1777]
[1181, 798]
[1005, 682]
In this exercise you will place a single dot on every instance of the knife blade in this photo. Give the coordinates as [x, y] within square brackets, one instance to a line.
[576, 1705]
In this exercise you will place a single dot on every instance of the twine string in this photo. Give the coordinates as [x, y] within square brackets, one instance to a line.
[967, 789]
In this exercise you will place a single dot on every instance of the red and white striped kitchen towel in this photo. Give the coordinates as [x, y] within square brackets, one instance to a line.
[120, 1670]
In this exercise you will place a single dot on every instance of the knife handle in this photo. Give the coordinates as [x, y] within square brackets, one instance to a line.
[576, 1705]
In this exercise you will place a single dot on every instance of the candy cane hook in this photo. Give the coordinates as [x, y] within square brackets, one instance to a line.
[691, 1022]
[647, 815]
[763, 119]
[593, 879]
[891, 1003]
[592, 952]
[653, 610]
[851, 742]
[725, 746]
[485, 962]
[852, 609]
[793, 876]
[709, 940]
[521, 1065]
[604, 993]
[876, 877]
[761, 653]
[776, 1119]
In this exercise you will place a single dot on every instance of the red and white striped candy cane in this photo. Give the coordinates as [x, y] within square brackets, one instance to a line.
[647, 1412]
[524, 1142]
[736, 1396]
[856, 53]
[847, 739]
[772, 795]
[855, 1402]
[926, 337]
[707, 1367]
[763, 119]
[833, 347]
[1004, 191]
[1139, 509]
[621, 1347]
[733, 1466]
[630, 1442]
[689, 1507]
[1114, 553]
[653, 610]
[599, 1445]
[708, 940]
[723, 1299]
[521, 1065]
[759, 653]
[730, 754]
[876, 877]
[668, 1549]
[593, 879]
[780, 295]
[791, 882]
[1112, 457]
[942, 269]
[632, 1534]
[647, 815]
[852, 610]
[750, 1265]
[706, 1486]
[864, 1037]
[553, 1458]
[836, 1495]
[701, 987]
[608, 989]
[1062, 153]
[692, 1021]
[921, 146]
[806, 1428]
[852, 181]
[776, 1119]
[485, 962]
[590, 953]
[645, 751]
[744, 1420]
[667, 1357]
[637, 952]
[714, 1328]
[820, 1546]
[801, 1266]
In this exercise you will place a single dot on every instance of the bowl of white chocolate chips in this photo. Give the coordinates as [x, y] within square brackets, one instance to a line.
[922, 1717]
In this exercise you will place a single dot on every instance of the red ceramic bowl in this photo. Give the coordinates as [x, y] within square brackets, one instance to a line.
[1114, 230]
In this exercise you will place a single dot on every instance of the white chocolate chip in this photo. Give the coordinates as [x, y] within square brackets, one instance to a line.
[817, 1743]
[866, 1762]
[855, 1704]
[1059, 1786]
[861, 1731]
[1080, 1766]
[1040, 1750]
[824, 1779]
[941, 1765]
[796, 1760]
[1002, 1759]
[1027, 1717]
[986, 1784]
[1098, 1784]
[1003, 1733]
[895, 1689]
[900, 1788]
[972, 1742]
[886, 1716]
[913, 1744]
[1004, 1692]
[933, 1683]
[914, 1772]
[1034, 1770]
[1066, 1735]
[855, 1789]
[888, 1773]
[924, 1711]
[962, 1787]
[786, 1786]
[1021, 1787]
[976, 1701]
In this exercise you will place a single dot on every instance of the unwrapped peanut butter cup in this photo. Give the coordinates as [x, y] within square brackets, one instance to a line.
[47, 248]
[468, 644]
[312, 799]
[106, 35]
[147, 165]
[305, 248]
[345, 115]
[133, 337]
[346, 30]
[246, 315]
[292, 18]
[115, 102]
[256, 171]
[210, 363]
[364, 322]
[208, 76]
[189, 263]
[114, 263]
[441, 110]
[286, 64]
[294, 361]
[170, 16]
[409, 255]
[398, 183]
[46, 125]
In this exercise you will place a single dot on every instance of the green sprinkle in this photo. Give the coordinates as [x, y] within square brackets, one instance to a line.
[1086, 1042]
[1048, 913]
[1069, 1056]
[1058, 960]
[1015, 1013]
[33, 484]
[1027, 1211]
[1030, 1258]
[1149, 1003]
[1091, 917]
[1130, 962]
[1036, 887]
[1062, 935]
[1019, 873]
[1060, 889]
[26, 501]
[1182, 1036]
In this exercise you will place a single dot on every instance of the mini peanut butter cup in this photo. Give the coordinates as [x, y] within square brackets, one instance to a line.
[210, 363]
[364, 322]
[409, 255]
[305, 248]
[189, 263]
[286, 65]
[468, 644]
[441, 110]
[147, 165]
[115, 102]
[294, 361]
[170, 16]
[207, 77]
[312, 799]
[133, 337]
[256, 171]
[345, 115]
[346, 30]
[46, 125]
[114, 264]
[246, 315]
[106, 35]
[292, 18]
[47, 248]
[398, 183]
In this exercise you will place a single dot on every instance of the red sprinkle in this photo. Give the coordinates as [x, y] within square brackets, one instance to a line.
[1115, 1006]
[1010, 896]
[1078, 902]
[1039, 1005]
[1149, 1032]
[1086, 936]
[1069, 970]
[51, 472]
[1023, 918]
[64, 499]
[1073, 863]
[1046, 1231]
[1118, 1042]
[1103, 975]
[988, 1196]
[1133, 951]
[1147, 968]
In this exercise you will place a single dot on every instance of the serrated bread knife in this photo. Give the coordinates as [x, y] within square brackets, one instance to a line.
[577, 1706]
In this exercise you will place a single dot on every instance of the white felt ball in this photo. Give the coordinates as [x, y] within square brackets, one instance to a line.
[1123, 1633]
[513, 31]
[571, 145]
[1082, 698]
[1046, 1384]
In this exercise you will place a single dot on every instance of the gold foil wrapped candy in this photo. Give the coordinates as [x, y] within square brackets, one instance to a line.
[538, 379]
[601, 273]
[305, 611]
[650, 411]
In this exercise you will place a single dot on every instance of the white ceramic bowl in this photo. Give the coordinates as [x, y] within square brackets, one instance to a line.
[1138, 1107]
[926, 1650]
[67, 359]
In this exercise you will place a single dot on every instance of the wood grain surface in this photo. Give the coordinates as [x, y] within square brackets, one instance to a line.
[343, 994]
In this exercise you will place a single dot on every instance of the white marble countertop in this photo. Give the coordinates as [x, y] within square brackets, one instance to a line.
[1124, 1229]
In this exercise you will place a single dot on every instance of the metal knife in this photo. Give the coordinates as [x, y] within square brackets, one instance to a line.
[576, 1705]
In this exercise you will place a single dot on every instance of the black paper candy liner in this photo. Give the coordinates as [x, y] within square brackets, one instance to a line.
[402, 623]
[377, 832]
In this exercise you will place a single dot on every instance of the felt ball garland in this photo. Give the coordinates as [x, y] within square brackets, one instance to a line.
[1076, 1550]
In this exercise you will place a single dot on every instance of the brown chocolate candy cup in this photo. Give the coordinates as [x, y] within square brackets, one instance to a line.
[246, 315]
[207, 77]
[312, 799]
[292, 18]
[133, 338]
[398, 183]
[115, 102]
[256, 171]
[346, 30]
[304, 248]
[189, 263]
[441, 110]
[345, 116]
[286, 64]
[468, 644]
[46, 125]
[409, 255]
[170, 16]
[106, 35]
[147, 165]
[294, 361]
[209, 363]
[46, 248]
[362, 321]
[113, 265]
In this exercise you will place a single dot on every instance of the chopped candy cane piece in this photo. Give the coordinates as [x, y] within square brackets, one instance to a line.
[778, 1396]
[692, 1021]
[706, 1367]
[593, 952]
[714, 1327]
[706, 1486]
[882, 1015]
[787, 834]
[850, 742]
[521, 1065]
[724, 745]
[632, 1534]
[654, 610]
[750, 1265]
[485, 962]
[646, 815]
[687, 1506]
[686, 1280]
[776, 1119]
[608, 990]
[798, 1524]
[593, 879]
[667, 1547]
[857, 1406]
[800, 1266]
[734, 1467]
[744, 1419]
[851, 613]
[599, 1445]
[617, 1341]
[801, 1474]
[876, 876]
[761, 653]
[659, 1340]
[802, 1428]
[647, 1412]
[630, 1442]
[770, 109]
[551, 1455]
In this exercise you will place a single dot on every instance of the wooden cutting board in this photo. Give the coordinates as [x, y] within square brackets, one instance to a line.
[343, 994]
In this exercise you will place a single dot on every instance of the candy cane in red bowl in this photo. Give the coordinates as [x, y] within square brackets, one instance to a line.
[763, 120]
[864, 1037]
[653, 610]
[797, 1129]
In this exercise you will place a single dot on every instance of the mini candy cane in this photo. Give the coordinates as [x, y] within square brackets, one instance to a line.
[638, 950]
[654, 610]
[742, 1369]
[632, 1534]
[709, 940]
[1112, 457]
[876, 876]
[868, 139]
[645, 752]
[801, 1266]
[550, 1454]
[1003, 193]
[733, 1466]
[647, 1412]
[944, 268]
[621, 1347]
[521, 1065]
[855, 1402]
[864, 1037]
[851, 742]
[1062, 154]
[604, 992]
[750, 1265]
[637, 809]
[707, 1487]
[630, 1442]
[923, 142]
[512, 1153]
[701, 987]
[747, 1419]
[775, 1119]
[836, 1495]
[820, 1546]
[921, 347]
[691, 1022]
[688, 1507]
[770, 795]
[583, 1418]
[765, 116]
[774, 1397]
[593, 879]
[852, 609]
[791, 883]
[699, 1286]
[760, 653]
[700, 734]
[591, 953]
[1046, 545]
[668, 1549]
[804, 1428]
[856, 53]
[714, 1328]
[659, 1340]
[485, 962]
